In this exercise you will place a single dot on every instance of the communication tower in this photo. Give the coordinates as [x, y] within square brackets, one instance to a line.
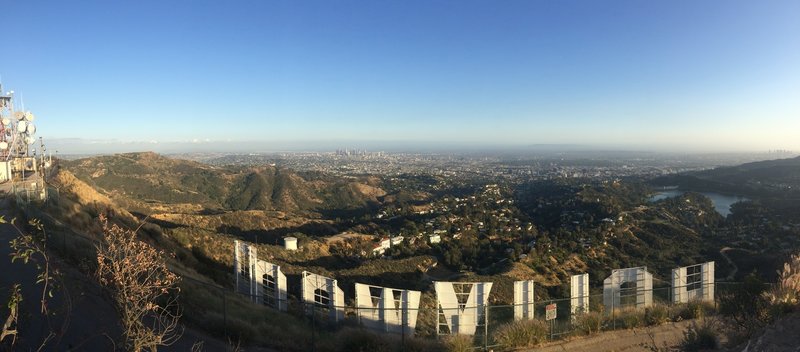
[19, 163]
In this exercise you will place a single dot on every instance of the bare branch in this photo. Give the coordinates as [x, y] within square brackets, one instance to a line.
[144, 290]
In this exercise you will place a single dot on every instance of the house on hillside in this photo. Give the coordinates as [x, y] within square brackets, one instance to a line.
[381, 247]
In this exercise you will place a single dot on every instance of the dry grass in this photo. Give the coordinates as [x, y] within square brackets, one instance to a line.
[589, 323]
[458, 343]
[787, 291]
[522, 333]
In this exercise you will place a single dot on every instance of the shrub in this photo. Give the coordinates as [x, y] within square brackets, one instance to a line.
[522, 333]
[746, 305]
[358, 340]
[419, 345]
[589, 323]
[787, 291]
[458, 343]
[700, 337]
[656, 315]
[694, 309]
[143, 289]
[631, 318]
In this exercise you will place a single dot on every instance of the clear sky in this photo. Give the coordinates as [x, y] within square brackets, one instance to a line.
[705, 74]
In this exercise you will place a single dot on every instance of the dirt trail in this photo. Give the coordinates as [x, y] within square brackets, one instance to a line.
[730, 262]
[622, 340]
[723, 251]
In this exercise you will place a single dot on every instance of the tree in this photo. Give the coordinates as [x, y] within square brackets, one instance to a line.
[32, 247]
[9, 327]
[142, 287]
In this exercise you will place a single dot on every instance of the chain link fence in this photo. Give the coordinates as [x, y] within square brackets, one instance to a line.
[228, 311]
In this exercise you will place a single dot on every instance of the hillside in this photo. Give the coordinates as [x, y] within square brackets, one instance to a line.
[151, 183]
[545, 231]
[779, 178]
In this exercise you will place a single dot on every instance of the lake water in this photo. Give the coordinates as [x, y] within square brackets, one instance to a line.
[722, 203]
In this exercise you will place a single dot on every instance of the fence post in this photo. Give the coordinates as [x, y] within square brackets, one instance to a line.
[613, 318]
[404, 322]
[485, 327]
[313, 326]
[716, 308]
[224, 313]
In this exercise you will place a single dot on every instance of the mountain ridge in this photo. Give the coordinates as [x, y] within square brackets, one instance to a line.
[148, 179]
[776, 178]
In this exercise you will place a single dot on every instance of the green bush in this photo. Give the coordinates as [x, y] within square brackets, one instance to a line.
[700, 337]
[656, 315]
[522, 333]
[589, 323]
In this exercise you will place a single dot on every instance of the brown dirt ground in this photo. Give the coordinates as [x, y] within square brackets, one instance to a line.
[622, 340]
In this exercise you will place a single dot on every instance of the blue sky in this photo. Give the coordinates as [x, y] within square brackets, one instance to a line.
[638, 74]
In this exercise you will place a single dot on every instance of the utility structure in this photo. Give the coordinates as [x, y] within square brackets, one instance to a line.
[22, 165]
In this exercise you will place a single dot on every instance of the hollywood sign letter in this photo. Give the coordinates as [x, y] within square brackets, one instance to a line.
[321, 291]
[694, 282]
[462, 305]
[628, 287]
[270, 285]
[244, 261]
[387, 309]
[579, 294]
[524, 301]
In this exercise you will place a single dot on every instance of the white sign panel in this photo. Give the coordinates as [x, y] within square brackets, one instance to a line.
[631, 287]
[694, 282]
[462, 305]
[270, 285]
[387, 309]
[579, 293]
[523, 300]
[321, 291]
[244, 261]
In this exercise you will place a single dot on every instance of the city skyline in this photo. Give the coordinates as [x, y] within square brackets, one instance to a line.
[716, 75]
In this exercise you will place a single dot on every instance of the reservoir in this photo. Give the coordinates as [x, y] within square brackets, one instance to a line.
[722, 203]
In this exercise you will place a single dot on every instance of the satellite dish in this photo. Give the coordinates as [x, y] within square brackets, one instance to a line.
[30, 140]
[29, 116]
[19, 115]
[3, 145]
[22, 126]
[6, 121]
[31, 129]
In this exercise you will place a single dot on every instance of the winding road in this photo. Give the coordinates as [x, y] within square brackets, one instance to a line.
[735, 270]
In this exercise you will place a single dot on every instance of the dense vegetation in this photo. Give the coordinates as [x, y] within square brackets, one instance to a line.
[499, 231]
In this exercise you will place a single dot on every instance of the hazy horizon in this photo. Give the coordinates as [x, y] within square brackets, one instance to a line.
[316, 75]
[88, 147]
